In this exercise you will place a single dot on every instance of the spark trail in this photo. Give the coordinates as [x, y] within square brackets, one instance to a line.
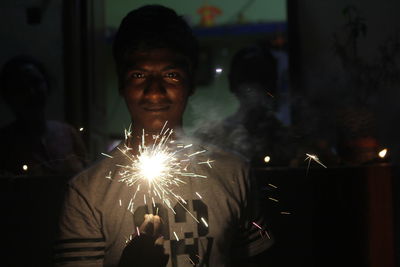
[158, 169]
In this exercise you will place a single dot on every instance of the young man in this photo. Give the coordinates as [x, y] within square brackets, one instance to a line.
[156, 56]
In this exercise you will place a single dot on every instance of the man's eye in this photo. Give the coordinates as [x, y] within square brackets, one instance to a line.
[137, 75]
[172, 75]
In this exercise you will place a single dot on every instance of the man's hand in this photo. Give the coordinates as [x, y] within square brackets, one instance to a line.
[146, 248]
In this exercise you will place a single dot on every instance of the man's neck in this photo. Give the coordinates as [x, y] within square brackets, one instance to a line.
[147, 138]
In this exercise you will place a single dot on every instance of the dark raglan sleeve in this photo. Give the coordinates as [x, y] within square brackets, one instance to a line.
[80, 241]
[253, 233]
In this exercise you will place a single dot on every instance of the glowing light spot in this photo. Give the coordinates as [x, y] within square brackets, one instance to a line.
[159, 165]
[256, 225]
[273, 199]
[192, 262]
[218, 70]
[204, 221]
[273, 186]
[176, 236]
[81, 129]
[104, 154]
[152, 166]
[267, 159]
[25, 167]
[382, 153]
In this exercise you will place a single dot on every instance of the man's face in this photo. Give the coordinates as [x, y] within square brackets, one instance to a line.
[29, 88]
[155, 87]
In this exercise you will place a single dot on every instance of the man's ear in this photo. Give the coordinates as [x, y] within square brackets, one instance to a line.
[120, 85]
[192, 89]
[192, 84]
[120, 89]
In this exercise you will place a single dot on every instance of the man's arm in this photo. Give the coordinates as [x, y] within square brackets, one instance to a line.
[80, 241]
[254, 238]
[263, 259]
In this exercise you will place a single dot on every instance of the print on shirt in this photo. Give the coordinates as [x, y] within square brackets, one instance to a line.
[192, 236]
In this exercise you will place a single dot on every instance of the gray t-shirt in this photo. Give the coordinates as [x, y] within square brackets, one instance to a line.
[99, 216]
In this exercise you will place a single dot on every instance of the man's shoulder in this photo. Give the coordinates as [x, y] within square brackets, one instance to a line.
[99, 173]
[224, 159]
[225, 155]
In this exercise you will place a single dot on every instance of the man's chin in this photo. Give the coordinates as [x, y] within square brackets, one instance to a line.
[156, 126]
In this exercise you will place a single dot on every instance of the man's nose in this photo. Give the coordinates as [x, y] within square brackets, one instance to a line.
[155, 86]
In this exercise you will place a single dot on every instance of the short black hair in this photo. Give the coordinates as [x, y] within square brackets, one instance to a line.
[12, 69]
[254, 63]
[154, 26]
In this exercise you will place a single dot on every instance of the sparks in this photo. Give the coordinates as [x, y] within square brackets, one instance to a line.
[196, 153]
[204, 221]
[314, 158]
[261, 230]
[159, 168]
[256, 225]
[271, 95]
[104, 154]
[137, 231]
[176, 236]
[198, 195]
[191, 261]
[273, 186]
[207, 162]
[273, 199]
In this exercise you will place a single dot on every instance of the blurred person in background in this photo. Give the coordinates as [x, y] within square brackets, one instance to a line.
[32, 144]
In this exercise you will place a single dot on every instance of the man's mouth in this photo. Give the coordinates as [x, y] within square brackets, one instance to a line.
[156, 108]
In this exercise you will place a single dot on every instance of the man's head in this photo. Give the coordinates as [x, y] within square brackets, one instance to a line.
[24, 87]
[156, 55]
[253, 76]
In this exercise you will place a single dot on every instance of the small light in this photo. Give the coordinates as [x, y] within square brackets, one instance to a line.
[267, 159]
[81, 129]
[25, 167]
[204, 221]
[218, 70]
[382, 153]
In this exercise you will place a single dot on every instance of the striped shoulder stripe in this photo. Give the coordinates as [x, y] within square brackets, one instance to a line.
[79, 249]
[80, 240]
[78, 258]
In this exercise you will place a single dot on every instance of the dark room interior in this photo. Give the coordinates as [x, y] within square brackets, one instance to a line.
[322, 142]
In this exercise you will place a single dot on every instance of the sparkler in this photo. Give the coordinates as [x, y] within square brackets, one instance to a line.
[158, 169]
[261, 230]
[314, 158]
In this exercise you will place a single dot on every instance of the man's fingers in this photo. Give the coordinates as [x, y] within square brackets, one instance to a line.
[147, 225]
[151, 225]
[157, 226]
[159, 241]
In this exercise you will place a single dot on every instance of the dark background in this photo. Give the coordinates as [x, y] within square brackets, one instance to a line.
[345, 215]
